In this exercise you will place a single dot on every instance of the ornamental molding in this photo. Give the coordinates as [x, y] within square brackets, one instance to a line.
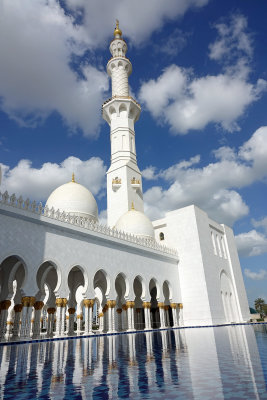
[32, 207]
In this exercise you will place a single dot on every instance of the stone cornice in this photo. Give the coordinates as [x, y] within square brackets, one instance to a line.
[34, 212]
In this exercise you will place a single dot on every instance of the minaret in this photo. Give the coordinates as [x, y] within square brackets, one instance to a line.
[124, 181]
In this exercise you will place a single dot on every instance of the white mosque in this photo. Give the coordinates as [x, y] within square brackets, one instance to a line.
[64, 274]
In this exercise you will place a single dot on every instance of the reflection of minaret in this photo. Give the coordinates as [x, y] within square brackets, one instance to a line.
[124, 183]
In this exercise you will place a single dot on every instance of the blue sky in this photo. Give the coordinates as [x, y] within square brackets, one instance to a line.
[199, 72]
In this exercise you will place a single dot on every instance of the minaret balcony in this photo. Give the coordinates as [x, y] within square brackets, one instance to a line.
[116, 184]
[135, 183]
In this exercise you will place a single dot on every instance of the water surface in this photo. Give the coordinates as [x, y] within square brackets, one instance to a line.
[204, 363]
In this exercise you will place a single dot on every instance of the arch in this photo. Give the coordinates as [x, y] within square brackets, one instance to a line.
[102, 281]
[13, 267]
[139, 287]
[153, 283]
[167, 291]
[228, 298]
[48, 274]
[154, 296]
[112, 112]
[122, 287]
[123, 110]
[76, 279]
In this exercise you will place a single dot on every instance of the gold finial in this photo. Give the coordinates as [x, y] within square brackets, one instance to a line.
[132, 208]
[117, 30]
[73, 177]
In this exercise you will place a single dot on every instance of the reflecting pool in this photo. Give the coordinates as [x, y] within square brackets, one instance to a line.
[205, 363]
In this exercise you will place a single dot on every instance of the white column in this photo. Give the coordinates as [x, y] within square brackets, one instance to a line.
[124, 318]
[162, 315]
[174, 314]
[60, 315]
[16, 326]
[5, 304]
[50, 321]
[101, 321]
[26, 315]
[147, 306]
[167, 317]
[36, 327]
[79, 324]
[88, 310]
[111, 315]
[119, 319]
[71, 312]
[181, 319]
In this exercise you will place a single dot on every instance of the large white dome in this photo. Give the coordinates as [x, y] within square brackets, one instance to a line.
[137, 223]
[75, 199]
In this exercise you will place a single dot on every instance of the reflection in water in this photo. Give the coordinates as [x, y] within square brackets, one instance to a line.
[200, 363]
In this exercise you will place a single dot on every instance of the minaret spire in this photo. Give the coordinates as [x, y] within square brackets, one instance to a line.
[121, 112]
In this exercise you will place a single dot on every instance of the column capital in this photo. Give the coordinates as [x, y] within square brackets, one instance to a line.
[100, 315]
[166, 307]
[5, 304]
[161, 305]
[111, 303]
[38, 305]
[124, 307]
[28, 301]
[180, 305]
[146, 304]
[173, 305]
[119, 310]
[18, 307]
[61, 302]
[71, 310]
[88, 303]
[80, 316]
[130, 304]
[51, 310]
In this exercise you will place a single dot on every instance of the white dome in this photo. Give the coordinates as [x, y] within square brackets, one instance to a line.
[75, 199]
[137, 223]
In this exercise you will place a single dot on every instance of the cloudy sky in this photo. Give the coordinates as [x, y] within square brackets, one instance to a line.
[199, 72]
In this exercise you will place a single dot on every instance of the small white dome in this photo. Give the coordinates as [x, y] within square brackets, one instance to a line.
[136, 223]
[75, 199]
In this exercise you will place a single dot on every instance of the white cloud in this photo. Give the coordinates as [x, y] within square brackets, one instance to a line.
[262, 223]
[138, 19]
[251, 243]
[38, 183]
[37, 41]
[262, 274]
[149, 173]
[212, 187]
[233, 39]
[185, 102]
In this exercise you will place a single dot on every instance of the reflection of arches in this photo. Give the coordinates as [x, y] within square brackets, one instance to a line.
[228, 298]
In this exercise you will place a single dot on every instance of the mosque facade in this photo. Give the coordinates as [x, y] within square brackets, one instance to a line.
[64, 274]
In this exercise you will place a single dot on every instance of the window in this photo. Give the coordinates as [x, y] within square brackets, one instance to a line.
[213, 243]
[161, 236]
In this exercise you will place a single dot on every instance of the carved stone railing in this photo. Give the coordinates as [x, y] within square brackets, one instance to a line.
[86, 223]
